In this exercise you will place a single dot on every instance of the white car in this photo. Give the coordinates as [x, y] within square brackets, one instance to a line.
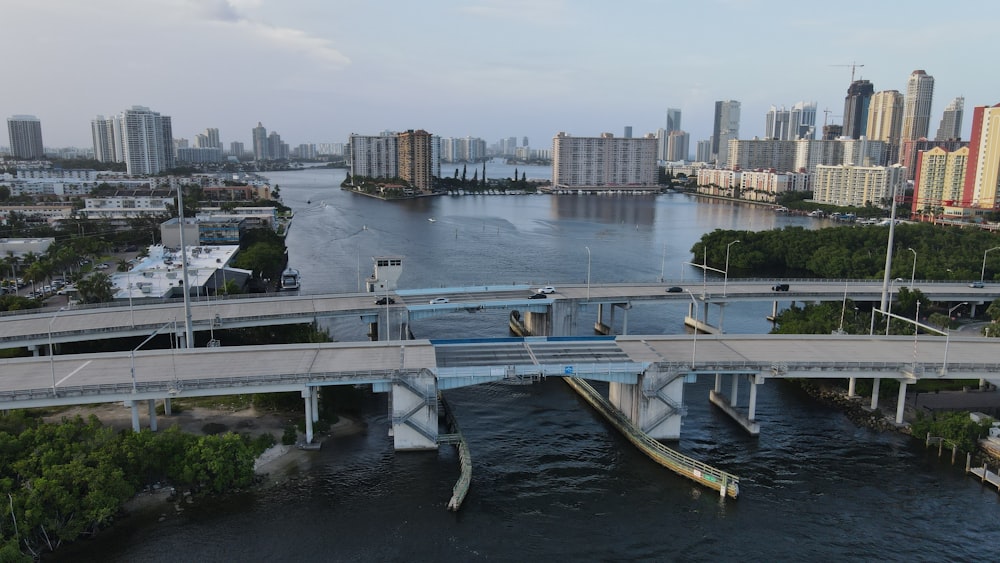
[547, 289]
[439, 300]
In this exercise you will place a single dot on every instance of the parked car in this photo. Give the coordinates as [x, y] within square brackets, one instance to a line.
[977, 285]
[780, 287]
[385, 301]
[439, 300]
[538, 296]
[675, 289]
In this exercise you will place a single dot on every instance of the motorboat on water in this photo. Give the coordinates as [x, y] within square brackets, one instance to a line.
[432, 220]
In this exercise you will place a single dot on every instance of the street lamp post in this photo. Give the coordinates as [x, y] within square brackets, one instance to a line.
[913, 270]
[888, 319]
[588, 272]
[52, 361]
[725, 281]
[694, 345]
[947, 337]
[982, 273]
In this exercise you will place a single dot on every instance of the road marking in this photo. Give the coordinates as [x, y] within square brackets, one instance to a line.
[74, 372]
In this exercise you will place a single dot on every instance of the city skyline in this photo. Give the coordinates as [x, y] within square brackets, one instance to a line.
[486, 69]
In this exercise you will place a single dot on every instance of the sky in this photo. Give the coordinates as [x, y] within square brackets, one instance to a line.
[316, 71]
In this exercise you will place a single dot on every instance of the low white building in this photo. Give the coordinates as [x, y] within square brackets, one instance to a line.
[160, 274]
[857, 186]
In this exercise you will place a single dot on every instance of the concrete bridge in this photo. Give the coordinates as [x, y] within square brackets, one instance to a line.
[551, 316]
[645, 374]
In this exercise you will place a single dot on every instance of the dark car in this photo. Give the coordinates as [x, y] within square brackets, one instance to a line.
[538, 296]
[675, 289]
[780, 287]
[385, 301]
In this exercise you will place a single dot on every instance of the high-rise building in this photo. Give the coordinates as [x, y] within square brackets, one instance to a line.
[776, 124]
[885, 116]
[260, 143]
[628, 132]
[909, 152]
[414, 157]
[677, 146]
[917, 106]
[703, 151]
[939, 181]
[802, 121]
[374, 156]
[856, 186]
[725, 128]
[147, 141]
[604, 161]
[673, 120]
[276, 148]
[212, 133]
[25, 132]
[106, 149]
[982, 179]
[236, 149]
[856, 103]
[951, 121]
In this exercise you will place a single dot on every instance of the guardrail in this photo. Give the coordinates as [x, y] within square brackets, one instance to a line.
[726, 483]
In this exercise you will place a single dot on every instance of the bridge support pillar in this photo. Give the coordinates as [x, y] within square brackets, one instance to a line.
[315, 404]
[414, 411]
[167, 407]
[875, 386]
[852, 387]
[757, 379]
[718, 383]
[654, 404]
[900, 402]
[734, 393]
[35, 350]
[538, 324]
[151, 404]
[307, 396]
[135, 414]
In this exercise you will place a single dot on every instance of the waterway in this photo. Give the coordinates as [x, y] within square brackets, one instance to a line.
[551, 480]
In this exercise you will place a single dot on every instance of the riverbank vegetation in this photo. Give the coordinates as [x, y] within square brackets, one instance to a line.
[852, 252]
[68, 480]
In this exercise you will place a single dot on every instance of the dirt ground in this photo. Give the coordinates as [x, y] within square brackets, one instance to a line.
[193, 419]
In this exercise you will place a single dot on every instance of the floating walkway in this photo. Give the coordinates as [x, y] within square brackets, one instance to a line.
[726, 483]
[461, 487]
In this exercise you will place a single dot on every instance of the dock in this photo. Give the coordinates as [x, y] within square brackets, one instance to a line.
[983, 473]
[726, 483]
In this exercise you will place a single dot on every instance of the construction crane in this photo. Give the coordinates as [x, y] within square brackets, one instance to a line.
[853, 66]
[826, 116]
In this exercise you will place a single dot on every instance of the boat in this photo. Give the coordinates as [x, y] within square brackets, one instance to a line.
[290, 279]
[432, 220]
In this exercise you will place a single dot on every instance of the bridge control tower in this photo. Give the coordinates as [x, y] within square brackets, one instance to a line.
[386, 274]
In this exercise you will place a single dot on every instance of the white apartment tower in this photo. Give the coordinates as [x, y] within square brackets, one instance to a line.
[917, 106]
[951, 121]
[25, 132]
[374, 156]
[604, 161]
[147, 141]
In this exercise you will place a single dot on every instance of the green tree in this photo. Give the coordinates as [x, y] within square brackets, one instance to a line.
[96, 288]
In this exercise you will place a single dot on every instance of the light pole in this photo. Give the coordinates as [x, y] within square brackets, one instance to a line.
[52, 361]
[913, 270]
[725, 280]
[588, 272]
[947, 337]
[982, 273]
[694, 345]
[888, 318]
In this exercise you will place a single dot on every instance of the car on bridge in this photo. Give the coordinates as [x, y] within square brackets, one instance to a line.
[547, 289]
[675, 289]
[439, 300]
[977, 285]
[385, 301]
[538, 296]
[780, 287]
